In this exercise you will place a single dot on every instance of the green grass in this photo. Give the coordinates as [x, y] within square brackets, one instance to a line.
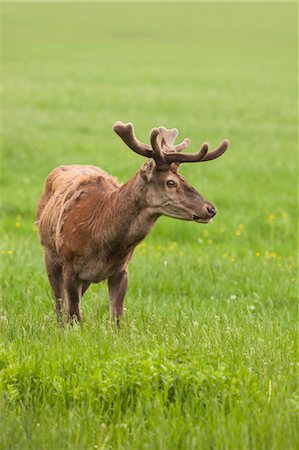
[207, 356]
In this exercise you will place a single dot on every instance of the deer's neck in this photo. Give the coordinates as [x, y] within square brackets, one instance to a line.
[129, 217]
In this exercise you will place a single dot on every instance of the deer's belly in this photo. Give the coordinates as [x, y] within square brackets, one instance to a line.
[97, 270]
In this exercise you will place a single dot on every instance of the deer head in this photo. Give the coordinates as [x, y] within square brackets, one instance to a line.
[167, 192]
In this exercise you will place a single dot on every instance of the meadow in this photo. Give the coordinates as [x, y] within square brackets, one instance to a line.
[207, 357]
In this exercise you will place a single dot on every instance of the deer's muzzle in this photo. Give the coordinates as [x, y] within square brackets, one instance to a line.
[208, 211]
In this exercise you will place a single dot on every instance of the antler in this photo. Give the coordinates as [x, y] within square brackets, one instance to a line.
[126, 133]
[163, 149]
[166, 140]
[217, 152]
[166, 157]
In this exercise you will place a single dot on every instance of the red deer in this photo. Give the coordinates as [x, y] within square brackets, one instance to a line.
[89, 224]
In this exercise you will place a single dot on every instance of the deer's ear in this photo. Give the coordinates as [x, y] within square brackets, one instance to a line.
[147, 170]
[175, 167]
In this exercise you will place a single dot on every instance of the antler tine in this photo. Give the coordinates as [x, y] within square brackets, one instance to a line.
[167, 138]
[182, 145]
[158, 154]
[126, 132]
[187, 157]
[217, 152]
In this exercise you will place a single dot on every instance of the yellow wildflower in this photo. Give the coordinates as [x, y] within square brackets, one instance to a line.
[270, 255]
[271, 218]
[18, 224]
[240, 229]
[257, 254]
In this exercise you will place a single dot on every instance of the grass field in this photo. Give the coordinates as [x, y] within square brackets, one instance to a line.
[207, 356]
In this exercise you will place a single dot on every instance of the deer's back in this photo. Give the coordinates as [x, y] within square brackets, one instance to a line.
[64, 186]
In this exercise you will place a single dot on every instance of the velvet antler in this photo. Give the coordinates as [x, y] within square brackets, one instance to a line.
[166, 140]
[126, 133]
[162, 149]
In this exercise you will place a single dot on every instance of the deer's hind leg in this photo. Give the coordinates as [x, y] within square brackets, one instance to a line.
[54, 271]
[73, 291]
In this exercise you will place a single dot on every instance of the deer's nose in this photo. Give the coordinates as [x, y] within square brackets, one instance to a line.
[210, 210]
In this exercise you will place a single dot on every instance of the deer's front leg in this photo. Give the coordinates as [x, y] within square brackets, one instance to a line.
[117, 285]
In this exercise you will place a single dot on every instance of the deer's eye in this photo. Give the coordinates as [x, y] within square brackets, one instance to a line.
[171, 183]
